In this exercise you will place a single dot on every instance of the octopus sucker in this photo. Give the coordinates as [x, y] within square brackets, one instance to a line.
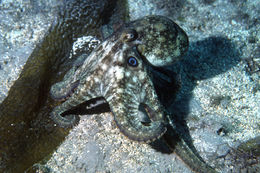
[65, 122]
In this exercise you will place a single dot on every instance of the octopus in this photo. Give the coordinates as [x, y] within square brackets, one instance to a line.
[117, 72]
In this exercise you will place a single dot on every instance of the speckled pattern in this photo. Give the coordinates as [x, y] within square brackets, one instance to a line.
[117, 72]
[163, 42]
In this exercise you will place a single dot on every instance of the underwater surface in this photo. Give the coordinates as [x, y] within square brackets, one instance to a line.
[216, 110]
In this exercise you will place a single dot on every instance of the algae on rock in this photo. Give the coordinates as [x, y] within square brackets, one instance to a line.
[26, 132]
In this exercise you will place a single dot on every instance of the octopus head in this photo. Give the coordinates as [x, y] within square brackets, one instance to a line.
[163, 41]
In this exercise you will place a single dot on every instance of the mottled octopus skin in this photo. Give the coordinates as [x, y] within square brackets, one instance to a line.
[163, 42]
[106, 76]
[106, 73]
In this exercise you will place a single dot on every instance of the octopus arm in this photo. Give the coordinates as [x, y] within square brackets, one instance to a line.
[61, 114]
[126, 118]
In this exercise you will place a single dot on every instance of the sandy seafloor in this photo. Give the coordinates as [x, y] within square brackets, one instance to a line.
[219, 98]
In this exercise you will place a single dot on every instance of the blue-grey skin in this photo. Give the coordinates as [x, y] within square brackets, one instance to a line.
[117, 72]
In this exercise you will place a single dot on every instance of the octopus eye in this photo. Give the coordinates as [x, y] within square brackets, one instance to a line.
[130, 35]
[132, 61]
